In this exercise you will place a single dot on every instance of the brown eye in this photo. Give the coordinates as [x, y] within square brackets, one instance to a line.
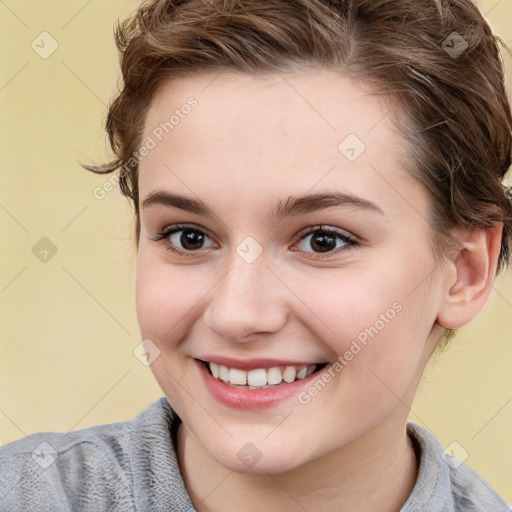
[321, 241]
[190, 239]
[183, 240]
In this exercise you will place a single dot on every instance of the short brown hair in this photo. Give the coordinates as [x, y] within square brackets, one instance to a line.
[438, 58]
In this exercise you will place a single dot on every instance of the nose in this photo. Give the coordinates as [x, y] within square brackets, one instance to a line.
[248, 300]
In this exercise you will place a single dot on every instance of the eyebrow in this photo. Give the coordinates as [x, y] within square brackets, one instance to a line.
[294, 206]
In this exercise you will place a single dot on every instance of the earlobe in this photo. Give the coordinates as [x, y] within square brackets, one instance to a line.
[469, 283]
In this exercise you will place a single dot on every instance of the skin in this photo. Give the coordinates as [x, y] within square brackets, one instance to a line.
[250, 143]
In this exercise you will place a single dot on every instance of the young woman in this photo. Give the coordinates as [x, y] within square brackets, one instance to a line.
[319, 204]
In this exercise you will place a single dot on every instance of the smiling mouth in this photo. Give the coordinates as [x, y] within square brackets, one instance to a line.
[261, 378]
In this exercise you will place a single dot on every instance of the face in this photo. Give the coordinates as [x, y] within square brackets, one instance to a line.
[279, 228]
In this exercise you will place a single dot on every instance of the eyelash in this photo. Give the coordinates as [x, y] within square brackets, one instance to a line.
[169, 230]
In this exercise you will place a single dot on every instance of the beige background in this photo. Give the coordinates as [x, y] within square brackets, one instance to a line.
[68, 325]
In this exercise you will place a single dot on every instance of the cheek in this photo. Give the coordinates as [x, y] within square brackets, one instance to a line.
[375, 325]
[165, 298]
[346, 305]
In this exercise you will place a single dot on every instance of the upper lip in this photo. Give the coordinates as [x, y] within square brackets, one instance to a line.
[253, 364]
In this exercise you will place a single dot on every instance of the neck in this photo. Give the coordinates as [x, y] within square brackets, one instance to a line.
[376, 472]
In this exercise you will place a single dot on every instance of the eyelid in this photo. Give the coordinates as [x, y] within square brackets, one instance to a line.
[328, 229]
[349, 240]
[173, 228]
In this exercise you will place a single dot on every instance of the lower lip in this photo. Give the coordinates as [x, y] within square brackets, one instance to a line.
[242, 398]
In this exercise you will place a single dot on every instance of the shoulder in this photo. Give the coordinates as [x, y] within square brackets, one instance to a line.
[446, 483]
[96, 468]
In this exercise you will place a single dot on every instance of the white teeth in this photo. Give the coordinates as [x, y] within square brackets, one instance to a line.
[289, 374]
[223, 373]
[237, 377]
[274, 376]
[260, 378]
[256, 377]
[302, 373]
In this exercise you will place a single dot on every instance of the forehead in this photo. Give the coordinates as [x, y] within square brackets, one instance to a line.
[327, 104]
[285, 131]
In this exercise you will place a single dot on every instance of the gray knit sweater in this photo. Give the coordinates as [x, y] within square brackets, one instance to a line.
[132, 465]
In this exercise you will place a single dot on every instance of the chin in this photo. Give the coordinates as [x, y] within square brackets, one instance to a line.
[251, 460]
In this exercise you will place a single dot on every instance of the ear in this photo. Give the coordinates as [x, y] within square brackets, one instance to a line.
[470, 275]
